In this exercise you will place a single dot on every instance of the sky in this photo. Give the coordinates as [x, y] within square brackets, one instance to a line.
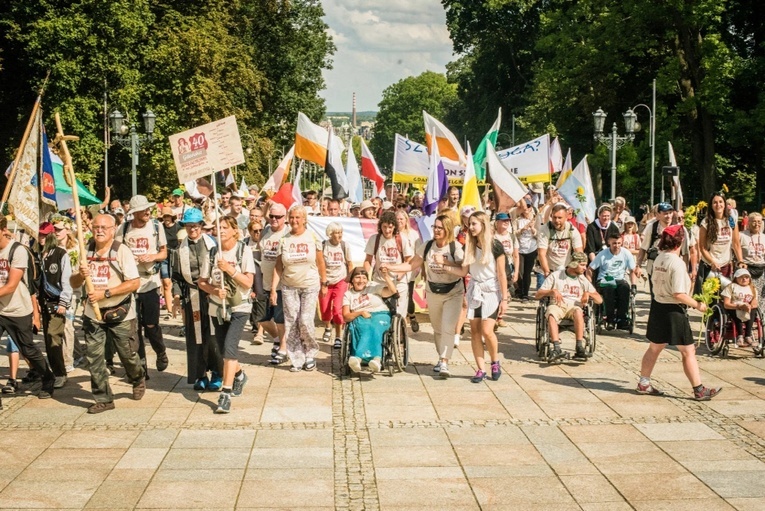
[379, 42]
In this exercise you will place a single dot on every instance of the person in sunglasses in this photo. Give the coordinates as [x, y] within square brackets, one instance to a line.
[269, 245]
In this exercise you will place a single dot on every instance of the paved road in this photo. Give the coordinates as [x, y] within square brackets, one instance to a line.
[573, 436]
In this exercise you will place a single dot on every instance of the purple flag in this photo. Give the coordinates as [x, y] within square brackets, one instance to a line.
[435, 190]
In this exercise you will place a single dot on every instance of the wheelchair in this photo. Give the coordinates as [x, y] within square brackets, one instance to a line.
[543, 341]
[395, 343]
[600, 315]
[721, 331]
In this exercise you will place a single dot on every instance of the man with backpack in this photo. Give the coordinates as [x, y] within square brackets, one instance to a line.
[557, 240]
[16, 308]
[148, 243]
[115, 278]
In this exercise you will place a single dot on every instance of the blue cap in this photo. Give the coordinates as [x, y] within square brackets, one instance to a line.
[502, 216]
[663, 207]
[192, 216]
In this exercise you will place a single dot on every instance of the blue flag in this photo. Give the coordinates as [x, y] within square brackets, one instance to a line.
[48, 180]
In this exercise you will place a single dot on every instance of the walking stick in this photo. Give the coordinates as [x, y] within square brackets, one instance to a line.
[220, 247]
[69, 172]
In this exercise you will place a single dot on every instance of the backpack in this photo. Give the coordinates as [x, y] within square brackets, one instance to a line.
[111, 257]
[32, 270]
[429, 244]
[239, 251]
[399, 245]
[342, 247]
[568, 231]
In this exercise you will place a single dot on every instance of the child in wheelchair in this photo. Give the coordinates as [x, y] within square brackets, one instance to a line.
[569, 291]
[611, 267]
[740, 297]
[368, 316]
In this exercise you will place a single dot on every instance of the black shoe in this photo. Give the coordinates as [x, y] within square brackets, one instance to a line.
[31, 377]
[414, 324]
[555, 354]
[162, 361]
[581, 353]
[110, 368]
[623, 324]
[46, 392]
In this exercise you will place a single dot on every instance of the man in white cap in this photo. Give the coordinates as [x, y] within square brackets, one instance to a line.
[148, 243]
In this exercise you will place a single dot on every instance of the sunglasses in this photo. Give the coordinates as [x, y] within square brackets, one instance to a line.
[275, 217]
[256, 231]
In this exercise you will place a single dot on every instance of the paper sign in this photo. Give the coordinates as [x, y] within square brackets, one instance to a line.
[530, 161]
[209, 148]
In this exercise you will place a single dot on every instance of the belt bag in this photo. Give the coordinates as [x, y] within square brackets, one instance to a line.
[755, 271]
[442, 289]
[652, 253]
[118, 313]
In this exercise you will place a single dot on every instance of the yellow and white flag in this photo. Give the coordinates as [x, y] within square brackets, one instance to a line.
[470, 195]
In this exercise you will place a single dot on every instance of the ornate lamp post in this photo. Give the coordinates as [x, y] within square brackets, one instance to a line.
[613, 141]
[127, 136]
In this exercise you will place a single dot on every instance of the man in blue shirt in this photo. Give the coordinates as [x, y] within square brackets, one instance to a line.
[609, 269]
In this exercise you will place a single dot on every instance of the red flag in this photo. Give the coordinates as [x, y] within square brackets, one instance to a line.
[369, 168]
[284, 196]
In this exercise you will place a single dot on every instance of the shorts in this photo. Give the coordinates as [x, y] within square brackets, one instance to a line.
[164, 269]
[478, 313]
[275, 312]
[259, 310]
[10, 346]
[229, 333]
[561, 313]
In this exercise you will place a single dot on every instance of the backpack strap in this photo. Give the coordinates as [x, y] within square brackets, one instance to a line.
[654, 233]
[400, 246]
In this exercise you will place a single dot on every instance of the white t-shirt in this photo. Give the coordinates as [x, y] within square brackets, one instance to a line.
[336, 261]
[368, 299]
[669, 276]
[104, 276]
[435, 272]
[210, 272]
[388, 252]
[559, 244]
[753, 247]
[298, 253]
[571, 288]
[721, 248]
[19, 303]
[144, 241]
[738, 294]
[509, 243]
[527, 242]
[269, 246]
[631, 241]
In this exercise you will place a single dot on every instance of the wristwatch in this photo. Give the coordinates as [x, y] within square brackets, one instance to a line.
[107, 294]
[325, 284]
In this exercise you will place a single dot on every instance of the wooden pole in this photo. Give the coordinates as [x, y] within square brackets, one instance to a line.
[220, 245]
[69, 171]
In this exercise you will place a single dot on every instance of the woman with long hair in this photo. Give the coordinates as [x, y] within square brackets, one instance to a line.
[668, 320]
[718, 239]
[389, 247]
[487, 291]
[301, 271]
[411, 236]
[227, 279]
[525, 230]
[445, 291]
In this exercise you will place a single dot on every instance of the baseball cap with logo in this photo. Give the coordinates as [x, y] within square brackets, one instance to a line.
[663, 207]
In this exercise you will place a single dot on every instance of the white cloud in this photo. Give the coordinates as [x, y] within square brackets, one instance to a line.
[380, 42]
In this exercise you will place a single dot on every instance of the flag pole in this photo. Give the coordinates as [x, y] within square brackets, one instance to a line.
[217, 235]
[69, 172]
[23, 144]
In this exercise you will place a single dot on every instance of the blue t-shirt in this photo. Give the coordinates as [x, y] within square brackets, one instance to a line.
[612, 265]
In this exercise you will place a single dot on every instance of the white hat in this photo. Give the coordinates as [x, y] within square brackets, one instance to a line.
[140, 203]
[387, 205]
[366, 204]
[741, 272]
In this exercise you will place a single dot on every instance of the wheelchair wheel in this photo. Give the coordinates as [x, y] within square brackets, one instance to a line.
[598, 318]
[544, 347]
[345, 352]
[759, 343]
[633, 315]
[541, 327]
[715, 331]
[399, 343]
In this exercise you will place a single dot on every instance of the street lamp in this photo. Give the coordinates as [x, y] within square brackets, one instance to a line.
[127, 136]
[613, 141]
[632, 126]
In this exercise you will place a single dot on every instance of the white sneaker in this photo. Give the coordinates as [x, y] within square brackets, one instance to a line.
[355, 364]
[444, 370]
[375, 366]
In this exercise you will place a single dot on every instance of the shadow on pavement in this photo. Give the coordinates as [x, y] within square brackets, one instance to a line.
[607, 384]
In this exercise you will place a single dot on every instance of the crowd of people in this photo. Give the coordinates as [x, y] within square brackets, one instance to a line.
[238, 258]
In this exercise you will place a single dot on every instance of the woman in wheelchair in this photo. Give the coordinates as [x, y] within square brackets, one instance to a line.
[368, 317]
[740, 297]
[570, 291]
[611, 266]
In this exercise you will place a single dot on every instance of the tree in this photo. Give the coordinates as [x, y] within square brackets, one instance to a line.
[401, 111]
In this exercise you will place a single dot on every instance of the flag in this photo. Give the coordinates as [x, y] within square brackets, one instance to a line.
[676, 189]
[297, 195]
[410, 161]
[371, 171]
[198, 188]
[64, 199]
[479, 158]
[355, 188]
[470, 195]
[310, 141]
[23, 197]
[556, 156]
[48, 177]
[277, 179]
[334, 169]
[449, 147]
[284, 195]
[227, 178]
[244, 190]
[565, 171]
[577, 191]
[507, 187]
[437, 182]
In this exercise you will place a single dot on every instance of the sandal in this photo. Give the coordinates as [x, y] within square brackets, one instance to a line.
[327, 335]
[310, 364]
[338, 343]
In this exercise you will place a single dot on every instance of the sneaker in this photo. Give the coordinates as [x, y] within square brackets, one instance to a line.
[216, 382]
[100, 407]
[111, 369]
[354, 363]
[327, 335]
[277, 358]
[496, 371]
[555, 354]
[275, 348]
[444, 372]
[69, 369]
[310, 364]
[740, 341]
[649, 390]
[182, 332]
[162, 361]
[139, 389]
[257, 340]
[437, 367]
[705, 393]
[375, 366]
[201, 384]
[238, 387]
[11, 387]
[414, 324]
[32, 376]
[338, 343]
[479, 377]
[581, 352]
[224, 403]
[59, 382]
[46, 392]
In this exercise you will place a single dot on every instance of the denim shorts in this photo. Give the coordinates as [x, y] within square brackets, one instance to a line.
[10, 346]
[164, 269]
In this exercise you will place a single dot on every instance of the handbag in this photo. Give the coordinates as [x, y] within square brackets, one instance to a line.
[442, 289]
[755, 271]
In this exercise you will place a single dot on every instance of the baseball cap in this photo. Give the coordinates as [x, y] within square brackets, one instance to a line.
[663, 207]
[576, 259]
[672, 230]
[46, 228]
[178, 192]
[502, 216]
[741, 272]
